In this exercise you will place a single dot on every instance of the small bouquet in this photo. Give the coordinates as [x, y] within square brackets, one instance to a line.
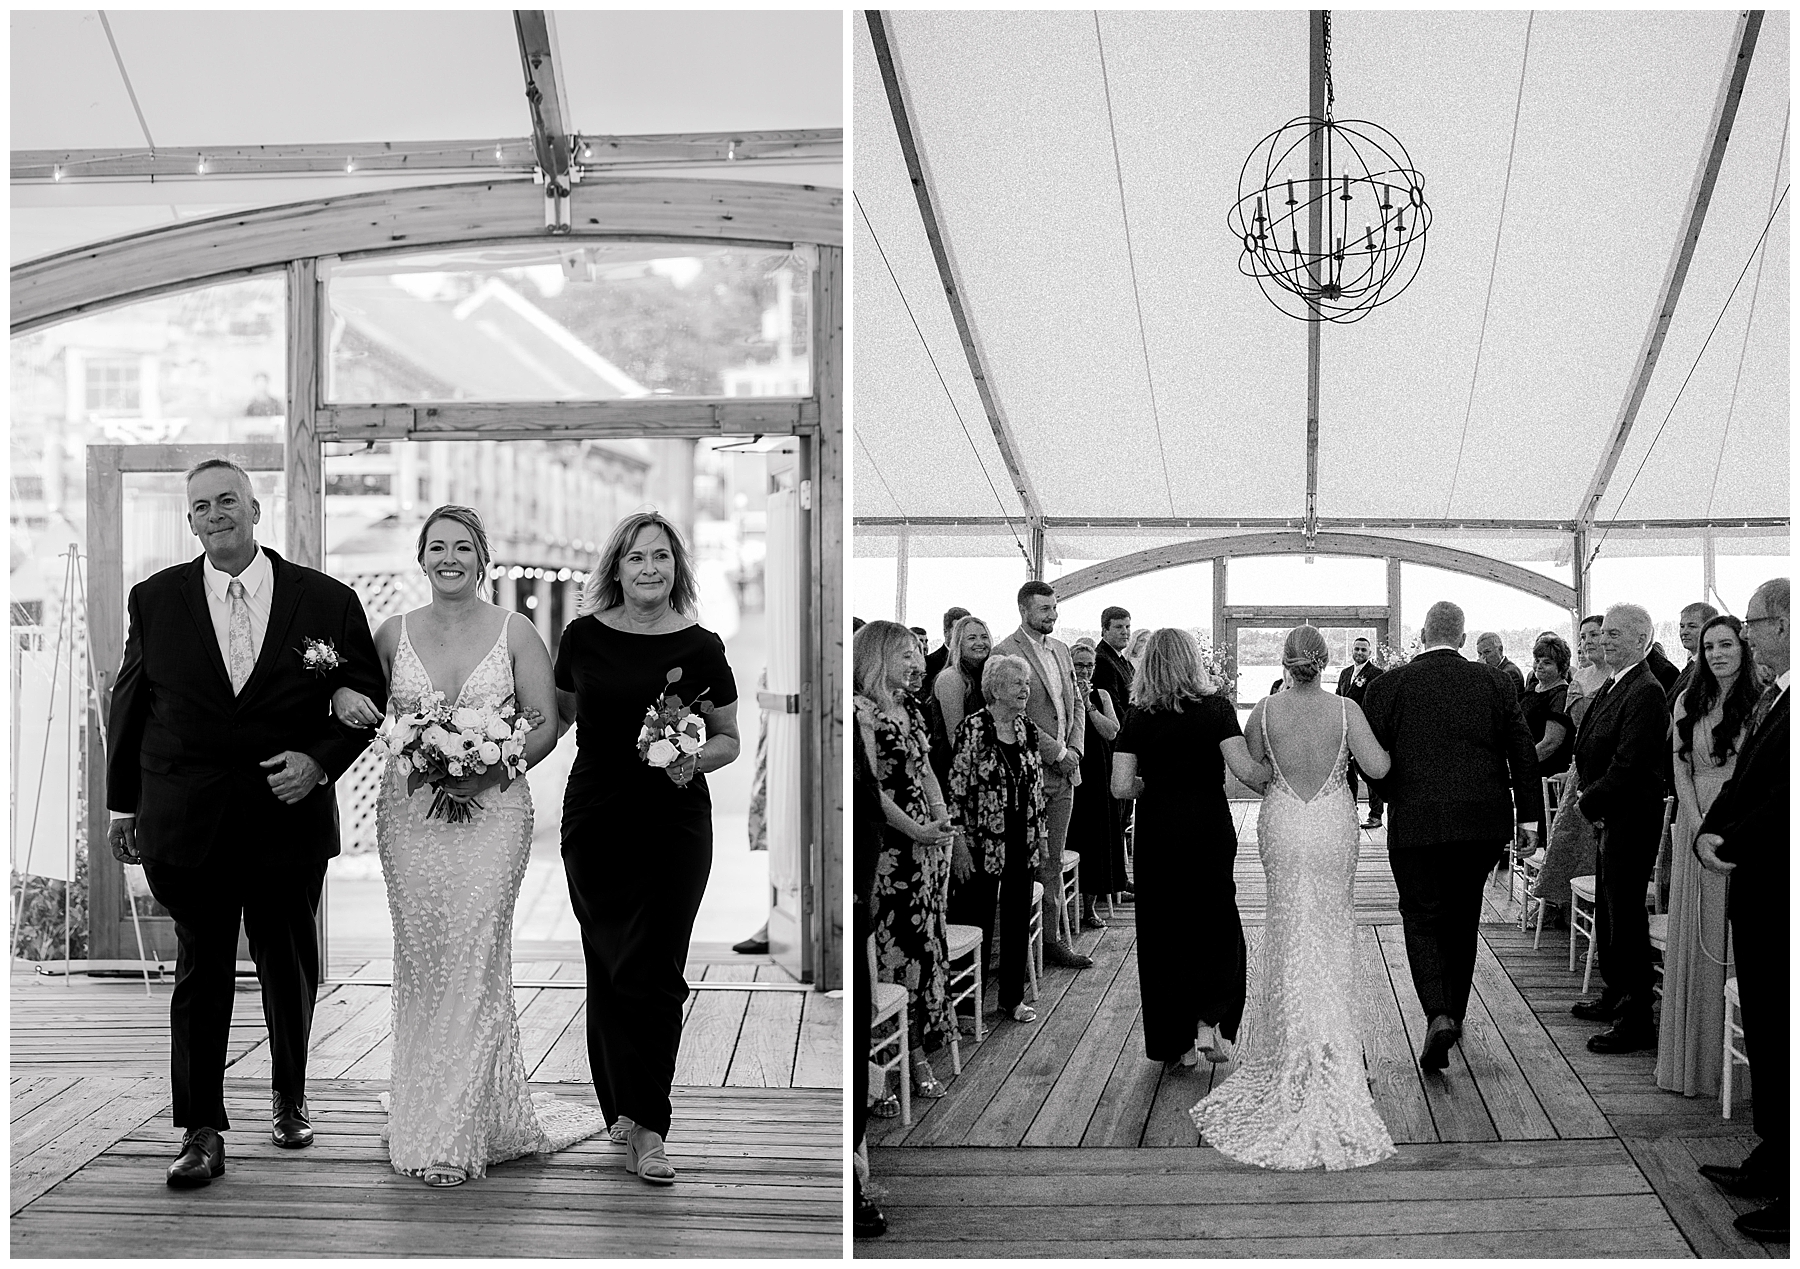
[440, 744]
[672, 729]
[319, 657]
[1216, 665]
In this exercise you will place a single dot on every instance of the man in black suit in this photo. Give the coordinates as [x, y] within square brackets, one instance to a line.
[1463, 761]
[935, 661]
[1353, 682]
[1661, 668]
[1746, 835]
[1491, 650]
[1114, 674]
[219, 743]
[1620, 756]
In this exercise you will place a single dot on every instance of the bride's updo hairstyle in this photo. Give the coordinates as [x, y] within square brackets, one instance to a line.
[1170, 672]
[602, 589]
[470, 519]
[1304, 655]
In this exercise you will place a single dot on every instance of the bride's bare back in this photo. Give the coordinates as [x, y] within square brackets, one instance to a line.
[1304, 726]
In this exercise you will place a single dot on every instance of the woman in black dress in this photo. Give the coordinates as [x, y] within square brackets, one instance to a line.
[637, 839]
[1171, 756]
[1546, 705]
[1096, 829]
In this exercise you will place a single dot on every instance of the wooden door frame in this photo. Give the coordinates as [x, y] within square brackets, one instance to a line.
[296, 239]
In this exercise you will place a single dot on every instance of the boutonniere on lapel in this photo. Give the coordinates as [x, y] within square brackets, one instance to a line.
[318, 656]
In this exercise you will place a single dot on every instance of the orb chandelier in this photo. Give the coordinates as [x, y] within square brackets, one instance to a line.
[1345, 235]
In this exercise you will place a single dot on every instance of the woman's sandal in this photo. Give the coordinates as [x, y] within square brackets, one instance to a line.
[930, 1087]
[621, 1129]
[885, 1107]
[649, 1163]
[441, 1176]
[1024, 1013]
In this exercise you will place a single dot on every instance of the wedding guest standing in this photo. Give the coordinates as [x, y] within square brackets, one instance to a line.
[1353, 682]
[1590, 673]
[1113, 673]
[1061, 732]
[1710, 718]
[637, 839]
[910, 882]
[1002, 826]
[1095, 832]
[1546, 706]
[867, 1219]
[1171, 757]
[936, 661]
[1693, 620]
[1619, 759]
[1490, 649]
[957, 692]
[1746, 836]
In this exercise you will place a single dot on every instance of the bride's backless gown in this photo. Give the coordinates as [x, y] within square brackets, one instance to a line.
[459, 1092]
[1300, 1096]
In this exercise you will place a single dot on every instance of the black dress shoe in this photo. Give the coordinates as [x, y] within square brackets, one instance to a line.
[1624, 1037]
[752, 946]
[1605, 1009]
[1374, 821]
[1068, 958]
[292, 1129]
[1440, 1038]
[1743, 1182]
[1765, 1223]
[1125, 896]
[201, 1159]
[868, 1220]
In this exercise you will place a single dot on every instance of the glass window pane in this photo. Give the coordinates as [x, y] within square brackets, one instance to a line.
[588, 322]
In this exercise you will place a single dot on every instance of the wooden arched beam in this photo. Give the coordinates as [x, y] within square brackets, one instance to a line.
[1289, 543]
[220, 248]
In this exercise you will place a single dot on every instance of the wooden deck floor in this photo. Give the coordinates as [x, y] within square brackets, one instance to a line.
[1528, 1145]
[757, 1139]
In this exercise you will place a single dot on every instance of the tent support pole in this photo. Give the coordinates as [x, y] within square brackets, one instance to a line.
[1221, 581]
[1580, 579]
[900, 554]
[1037, 550]
[1709, 567]
[1396, 630]
[1315, 249]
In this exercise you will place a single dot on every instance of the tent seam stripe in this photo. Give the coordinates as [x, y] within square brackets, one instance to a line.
[129, 90]
[1131, 259]
[1723, 309]
[942, 382]
[1743, 350]
[1494, 265]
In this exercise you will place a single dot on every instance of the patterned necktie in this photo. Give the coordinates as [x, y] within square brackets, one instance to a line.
[240, 660]
[1764, 704]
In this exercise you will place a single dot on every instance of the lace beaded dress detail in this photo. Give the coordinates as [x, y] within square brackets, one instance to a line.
[1300, 1096]
[459, 1091]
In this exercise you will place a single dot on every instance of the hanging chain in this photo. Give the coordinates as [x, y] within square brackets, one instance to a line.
[1330, 89]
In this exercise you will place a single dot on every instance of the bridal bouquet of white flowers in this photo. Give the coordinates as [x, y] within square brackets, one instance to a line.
[440, 744]
[671, 729]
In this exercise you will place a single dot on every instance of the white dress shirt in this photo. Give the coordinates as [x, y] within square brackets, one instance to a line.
[258, 578]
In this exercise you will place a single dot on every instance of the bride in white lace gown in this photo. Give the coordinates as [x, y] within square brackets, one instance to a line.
[460, 1099]
[1300, 1095]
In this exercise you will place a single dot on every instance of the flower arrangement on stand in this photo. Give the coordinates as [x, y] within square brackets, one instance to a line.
[1387, 656]
[1219, 665]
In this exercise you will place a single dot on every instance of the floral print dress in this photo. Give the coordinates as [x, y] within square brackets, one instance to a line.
[911, 878]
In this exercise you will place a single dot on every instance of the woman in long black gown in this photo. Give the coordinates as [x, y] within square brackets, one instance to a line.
[637, 839]
[1171, 756]
[1096, 829]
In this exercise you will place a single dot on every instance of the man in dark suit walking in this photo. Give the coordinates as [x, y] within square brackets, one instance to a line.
[1353, 682]
[1620, 755]
[1114, 674]
[1462, 761]
[219, 743]
[1746, 835]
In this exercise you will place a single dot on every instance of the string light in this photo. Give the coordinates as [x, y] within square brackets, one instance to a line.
[498, 155]
[56, 173]
[200, 167]
[349, 166]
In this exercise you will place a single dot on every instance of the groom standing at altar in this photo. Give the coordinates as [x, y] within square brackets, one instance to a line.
[219, 743]
[1061, 724]
[1463, 759]
[1353, 683]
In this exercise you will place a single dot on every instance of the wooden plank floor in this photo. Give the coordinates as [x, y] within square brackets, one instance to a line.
[1528, 1145]
[758, 1135]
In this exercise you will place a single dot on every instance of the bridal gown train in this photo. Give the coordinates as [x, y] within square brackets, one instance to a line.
[1300, 1096]
[459, 1092]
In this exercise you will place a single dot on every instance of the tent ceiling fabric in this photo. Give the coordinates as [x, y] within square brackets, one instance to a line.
[1011, 112]
[246, 78]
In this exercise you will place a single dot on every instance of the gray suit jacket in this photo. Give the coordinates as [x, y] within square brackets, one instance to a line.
[1041, 709]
